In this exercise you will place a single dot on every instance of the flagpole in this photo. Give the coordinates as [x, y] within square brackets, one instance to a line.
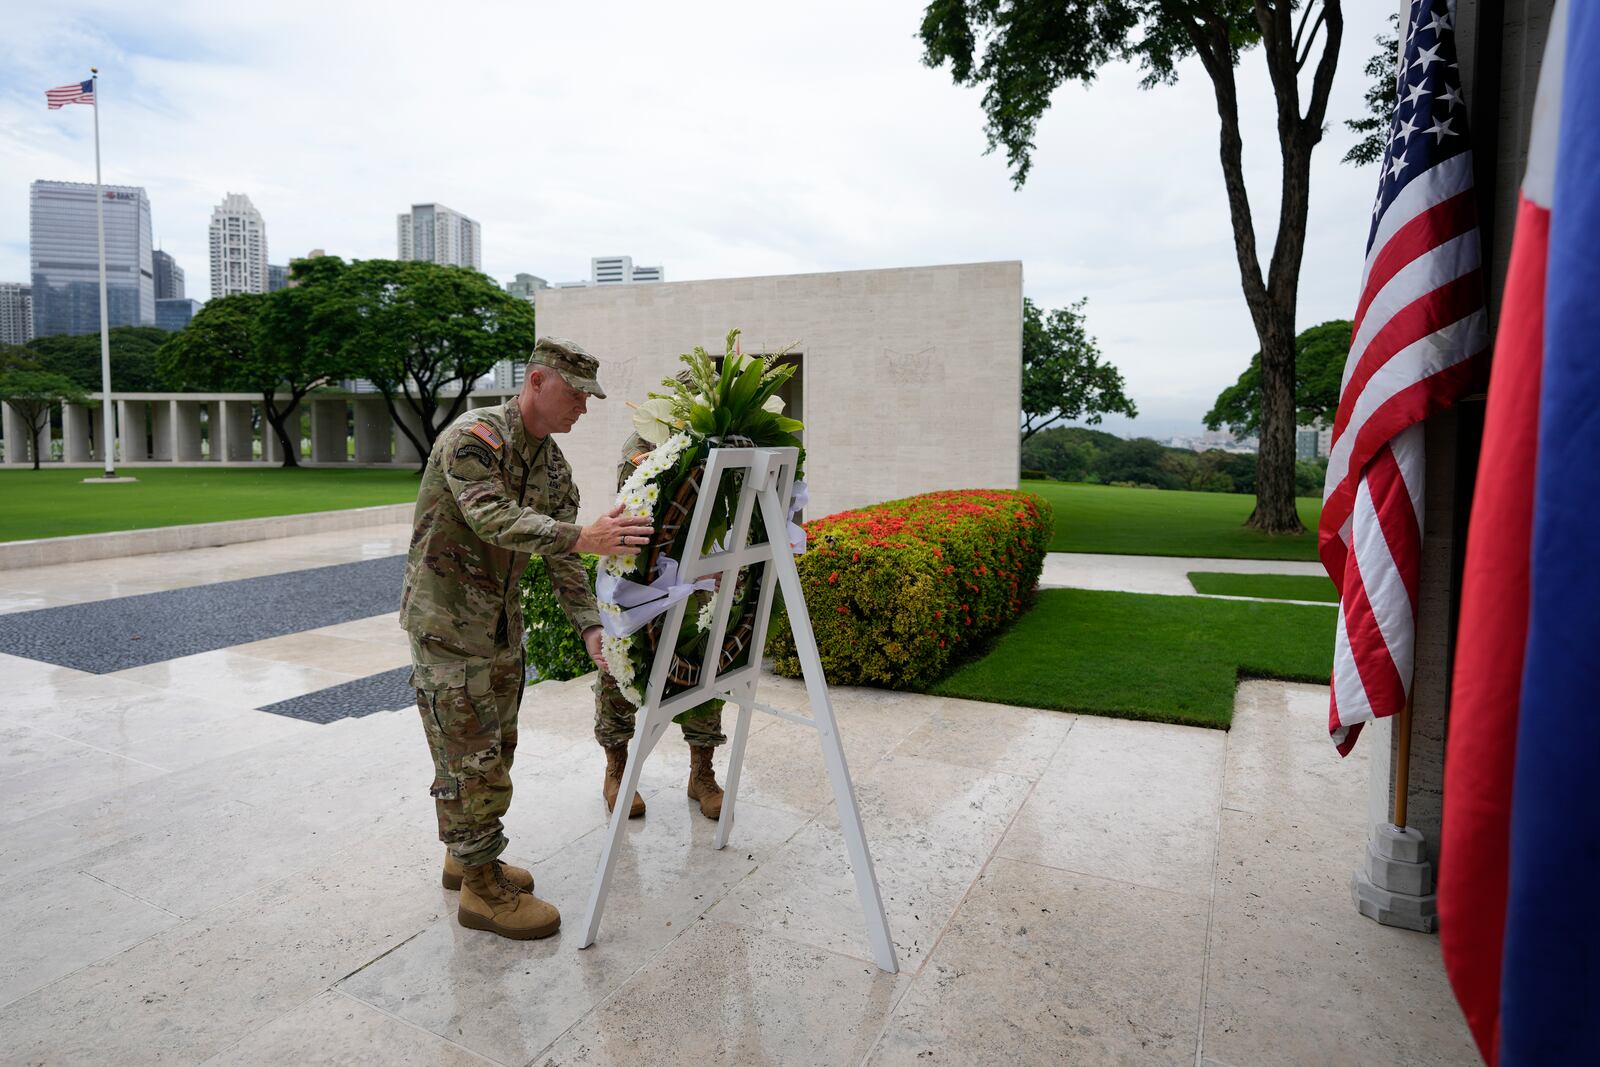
[1402, 772]
[106, 442]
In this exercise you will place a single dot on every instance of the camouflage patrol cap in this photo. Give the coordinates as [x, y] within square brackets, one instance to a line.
[567, 358]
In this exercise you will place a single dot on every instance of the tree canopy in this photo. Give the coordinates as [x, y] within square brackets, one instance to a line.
[1320, 354]
[1021, 51]
[134, 367]
[1382, 94]
[32, 394]
[416, 329]
[1063, 378]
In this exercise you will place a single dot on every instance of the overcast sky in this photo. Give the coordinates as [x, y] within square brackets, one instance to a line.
[717, 139]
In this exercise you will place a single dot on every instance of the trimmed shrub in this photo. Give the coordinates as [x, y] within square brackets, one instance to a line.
[1033, 475]
[555, 649]
[900, 592]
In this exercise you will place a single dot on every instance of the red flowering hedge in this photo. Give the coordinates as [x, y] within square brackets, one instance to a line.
[900, 592]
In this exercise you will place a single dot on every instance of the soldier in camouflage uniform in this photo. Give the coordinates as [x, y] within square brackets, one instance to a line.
[495, 491]
[614, 715]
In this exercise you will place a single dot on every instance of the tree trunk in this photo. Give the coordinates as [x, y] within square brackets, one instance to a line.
[424, 447]
[276, 418]
[1275, 501]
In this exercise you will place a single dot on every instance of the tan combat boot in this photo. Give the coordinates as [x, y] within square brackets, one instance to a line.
[517, 876]
[616, 762]
[703, 781]
[490, 902]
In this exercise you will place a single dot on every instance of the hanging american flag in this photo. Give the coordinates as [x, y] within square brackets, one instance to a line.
[1418, 328]
[76, 93]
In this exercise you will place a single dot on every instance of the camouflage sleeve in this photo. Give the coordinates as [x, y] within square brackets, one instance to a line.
[475, 481]
[568, 579]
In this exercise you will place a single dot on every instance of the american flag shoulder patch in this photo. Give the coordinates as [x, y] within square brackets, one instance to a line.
[486, 434]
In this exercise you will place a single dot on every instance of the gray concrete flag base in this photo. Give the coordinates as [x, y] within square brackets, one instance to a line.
[1395, 885]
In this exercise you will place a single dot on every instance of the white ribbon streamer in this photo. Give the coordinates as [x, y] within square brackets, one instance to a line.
[799, 497]
[638, 604]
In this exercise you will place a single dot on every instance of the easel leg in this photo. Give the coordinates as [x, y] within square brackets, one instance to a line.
[730, 792]
[646, 733]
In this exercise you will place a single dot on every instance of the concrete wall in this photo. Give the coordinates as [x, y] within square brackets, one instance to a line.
[911, 376]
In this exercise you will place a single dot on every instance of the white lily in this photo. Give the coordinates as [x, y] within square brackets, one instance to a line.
[652, 420]
[774, 404]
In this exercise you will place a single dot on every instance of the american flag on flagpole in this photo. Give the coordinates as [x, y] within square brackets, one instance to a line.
[76, 93]
[1418, 330]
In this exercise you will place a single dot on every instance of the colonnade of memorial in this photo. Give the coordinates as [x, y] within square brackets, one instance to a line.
[157, 428]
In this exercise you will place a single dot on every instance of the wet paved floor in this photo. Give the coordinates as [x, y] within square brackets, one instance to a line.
[187, 879]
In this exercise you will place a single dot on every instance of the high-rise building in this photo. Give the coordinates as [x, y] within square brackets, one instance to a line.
[277, 277]
[175, 313]
[434, 233]
[64, 250]
[16, 313]
[525, 285]
[619, 270]
[238, 247]
[169, 276]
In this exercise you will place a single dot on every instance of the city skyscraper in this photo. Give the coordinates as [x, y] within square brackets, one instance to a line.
[525, 285]
[64, 254]
[16, 313]
[277, 277]
[616, 270]
[238, 247]
[175, 313]
[434, 233]
[169, 276]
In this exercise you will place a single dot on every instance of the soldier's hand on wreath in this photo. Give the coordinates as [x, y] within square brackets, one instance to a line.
[615, 534]
[591, 641]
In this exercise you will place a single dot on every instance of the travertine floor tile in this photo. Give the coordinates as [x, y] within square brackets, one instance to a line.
[1280, 759]
[985, 736]
[508, 1000]
[193, 990]
[42, 771]
[728, 995]
[54, 927]
[339, 1031]
[1127, 800]
[1040, 966]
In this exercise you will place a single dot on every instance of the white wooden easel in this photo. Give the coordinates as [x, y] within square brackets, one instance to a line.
[768, 480]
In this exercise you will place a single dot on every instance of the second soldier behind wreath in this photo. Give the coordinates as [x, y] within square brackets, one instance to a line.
[614, 715]
[497, 490]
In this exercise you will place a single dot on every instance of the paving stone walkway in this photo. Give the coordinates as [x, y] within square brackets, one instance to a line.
[187, 879]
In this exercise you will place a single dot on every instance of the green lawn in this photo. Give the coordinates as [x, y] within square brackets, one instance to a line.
[1167, 522]
[54, 503]
[1164, 658]
[1268, 586]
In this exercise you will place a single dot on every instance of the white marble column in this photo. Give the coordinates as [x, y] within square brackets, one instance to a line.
[330, 434]
[232, 432]
[185, 427]
[374, 431]
[75, 444]
[131, 429]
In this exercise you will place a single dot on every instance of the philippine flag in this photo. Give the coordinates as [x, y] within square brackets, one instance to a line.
[1520, 848]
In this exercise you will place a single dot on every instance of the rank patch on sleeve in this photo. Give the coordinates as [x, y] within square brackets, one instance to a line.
[486, 434]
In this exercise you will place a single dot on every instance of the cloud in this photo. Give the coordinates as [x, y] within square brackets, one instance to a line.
[718, 139]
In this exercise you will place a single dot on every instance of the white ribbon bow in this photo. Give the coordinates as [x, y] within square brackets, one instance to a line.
[639, 604]
[799, 497]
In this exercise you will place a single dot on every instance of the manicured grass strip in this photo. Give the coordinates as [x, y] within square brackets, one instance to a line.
[1168, 522]
[54, 503]
[1133, 656]
[1267, 586]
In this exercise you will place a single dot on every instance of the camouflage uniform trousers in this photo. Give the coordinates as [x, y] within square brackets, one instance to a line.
[613, 718]
[469, 710]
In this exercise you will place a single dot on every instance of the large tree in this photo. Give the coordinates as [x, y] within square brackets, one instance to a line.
[229, 346]
[415, 330]
[1063, 379]
[1318, 369]
[1021, 51]
[1383, 93]
[134, 367]
[32, 394]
